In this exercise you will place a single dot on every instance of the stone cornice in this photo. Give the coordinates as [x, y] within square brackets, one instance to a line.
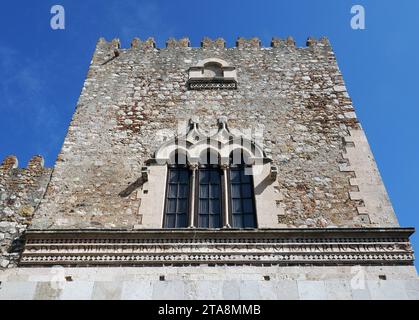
[370, 246]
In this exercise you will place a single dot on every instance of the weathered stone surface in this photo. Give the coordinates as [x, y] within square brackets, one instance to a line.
[244, 283]
[312, 290]
[132, 101]
[107, 290]
[131, 104]
[21, 190]
[137, 290]
[332, 246]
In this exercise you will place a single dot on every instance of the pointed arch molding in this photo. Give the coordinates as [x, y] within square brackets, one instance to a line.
[194, 143]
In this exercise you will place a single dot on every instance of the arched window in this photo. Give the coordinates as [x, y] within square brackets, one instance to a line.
[212, 70]
[212, 73]
[177, 193]
[242, 204]
[209, 206]
[208, 184]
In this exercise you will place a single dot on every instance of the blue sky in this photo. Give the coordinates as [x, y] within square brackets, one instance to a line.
[42, 70]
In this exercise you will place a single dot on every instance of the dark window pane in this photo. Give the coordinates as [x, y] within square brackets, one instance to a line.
[236, 206]
[203, 191]
[203, 221]
[215, 221]
[214, 191]
[181, 221]
[183, 176]
[173, 176]
[235, 190]
[242, 198]
[170, 220]
[247, 206]
[182, 206]
[203, 176]
[209, 198]
[246, 178]
[203, 206]
[246, 190]
[183, 190]
[249, 221]
[177, 198]
[215, 177]
[171, 205]
[235, 176]
[172, 192]
[214, 206]
[237, 221]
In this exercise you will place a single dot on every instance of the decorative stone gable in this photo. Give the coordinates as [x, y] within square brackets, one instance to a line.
[223, 142]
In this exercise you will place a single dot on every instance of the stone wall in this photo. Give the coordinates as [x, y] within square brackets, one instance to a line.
[21, 190]
[133, 100]
[208, 283]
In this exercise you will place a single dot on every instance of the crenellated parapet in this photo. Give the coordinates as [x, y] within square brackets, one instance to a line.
[322, 42]
[112, 48]
[280, 43]
[218, 43]
[181, 43]
[104, 44]
[253, 43]
[21, 190]
[136, 43]
[106, 51]
[35, 166]
[10, 162]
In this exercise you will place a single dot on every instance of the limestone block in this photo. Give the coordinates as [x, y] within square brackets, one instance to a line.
[77, 290]
[412, 289]
[287, 290]
[17, 290]
[137, 290]
[250, 290]
[169, 290]
[48, 290]
[338, 290]
[231, 290]
[107, 290]
[311, 290]
[387, 289]
[361, 294]
[208, 290]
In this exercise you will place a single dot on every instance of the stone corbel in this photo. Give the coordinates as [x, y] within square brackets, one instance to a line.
[274, 173]
[144, 173]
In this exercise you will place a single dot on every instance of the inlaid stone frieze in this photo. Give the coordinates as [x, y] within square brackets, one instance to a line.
[241, 247]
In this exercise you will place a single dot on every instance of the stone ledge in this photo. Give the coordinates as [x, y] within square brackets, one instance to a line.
[371, 246]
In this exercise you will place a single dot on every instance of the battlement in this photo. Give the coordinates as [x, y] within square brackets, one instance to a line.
[208, 43]
[35, 164]
[21, 190]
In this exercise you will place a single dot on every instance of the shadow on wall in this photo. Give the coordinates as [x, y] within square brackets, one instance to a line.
[132, 187]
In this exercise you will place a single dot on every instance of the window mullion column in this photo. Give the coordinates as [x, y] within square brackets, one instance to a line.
[193, 167]
[226, 215]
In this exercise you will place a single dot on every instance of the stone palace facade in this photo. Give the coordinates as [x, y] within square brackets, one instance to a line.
[212, 173]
